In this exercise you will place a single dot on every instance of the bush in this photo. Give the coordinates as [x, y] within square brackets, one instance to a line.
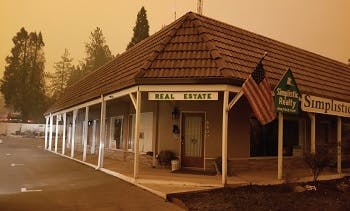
[218, 165]
[318, 161]
[165, 156]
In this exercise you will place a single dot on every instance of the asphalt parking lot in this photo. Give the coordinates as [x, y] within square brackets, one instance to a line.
[34, 179]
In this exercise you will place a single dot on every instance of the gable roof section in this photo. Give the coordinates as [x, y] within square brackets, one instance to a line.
[195, 49]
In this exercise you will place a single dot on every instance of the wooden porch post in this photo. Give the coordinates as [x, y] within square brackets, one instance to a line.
[85, 135]
[313, 133]
[75, 112]
[102, 133]
[224, 137]
[92, 149]
[339, 145]
[280, 146]
[46, 130]
[50, 135]
[137, 129]
[56, 135]
[64, 133]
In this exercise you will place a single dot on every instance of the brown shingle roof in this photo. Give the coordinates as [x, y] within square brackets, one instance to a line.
[200, 49]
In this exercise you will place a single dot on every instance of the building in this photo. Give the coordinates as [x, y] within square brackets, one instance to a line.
[173, 91]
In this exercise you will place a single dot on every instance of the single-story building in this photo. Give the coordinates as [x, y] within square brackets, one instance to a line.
[173, 91]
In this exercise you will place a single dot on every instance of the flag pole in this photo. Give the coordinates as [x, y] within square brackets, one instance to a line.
[240, 93]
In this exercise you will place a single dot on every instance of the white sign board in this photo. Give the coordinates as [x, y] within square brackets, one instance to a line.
[182, 95]
[322, 105]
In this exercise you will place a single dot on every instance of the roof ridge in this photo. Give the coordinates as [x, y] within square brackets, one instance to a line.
[161, 46]
[213, 49]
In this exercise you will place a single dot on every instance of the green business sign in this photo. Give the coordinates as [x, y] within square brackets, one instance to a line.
[287, 95]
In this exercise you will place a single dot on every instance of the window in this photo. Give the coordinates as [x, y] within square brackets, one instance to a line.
[264, 139]
[116, 137]
[145, 133]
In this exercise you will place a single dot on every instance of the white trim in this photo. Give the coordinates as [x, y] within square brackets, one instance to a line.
[56, 133]
[64, 133]
[75, 113]
[132, 98]
[90, 103]
[190, 87]
[47, 118]
[50, 134]
[312, 132]
[137, 132]
[224, 137]
[121, 93]
[85, 132]
[102, 133]
[280, 146]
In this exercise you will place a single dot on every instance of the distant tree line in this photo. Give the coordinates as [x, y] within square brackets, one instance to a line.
[29, 90]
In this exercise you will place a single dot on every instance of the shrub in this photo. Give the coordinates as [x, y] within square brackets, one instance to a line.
[165, 156]
[218, 165]
[318, 161]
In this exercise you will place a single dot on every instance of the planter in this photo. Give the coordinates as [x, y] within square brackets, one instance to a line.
[175, 165]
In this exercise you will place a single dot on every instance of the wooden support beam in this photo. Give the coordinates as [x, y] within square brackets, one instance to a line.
[64, 133]
[85, 135]
[102, 133]
[280, 146]
[137, 133]
[93, 144]
[224, 137]
[75, 113]
[132, 97]
[56, 135]
[313, 133]
[235, 100]
[339, 170]
[47, 118]
[50, 135]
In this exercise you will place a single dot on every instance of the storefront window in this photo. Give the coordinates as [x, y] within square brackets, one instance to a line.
[346, 139]
[116, 141]
[264, 139]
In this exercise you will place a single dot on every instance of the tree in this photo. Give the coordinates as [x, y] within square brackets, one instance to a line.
[97, 51]
[141, 29]
[23, 81]
[97, 54]
[76, 74]
[59, 79]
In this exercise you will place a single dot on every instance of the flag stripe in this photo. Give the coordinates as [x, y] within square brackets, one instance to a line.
[260, 97]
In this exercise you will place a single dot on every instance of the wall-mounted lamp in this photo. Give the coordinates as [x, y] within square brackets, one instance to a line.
[175, 114]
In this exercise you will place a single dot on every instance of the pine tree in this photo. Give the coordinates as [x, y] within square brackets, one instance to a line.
[76, 74]
[23, 81]
[97, 54]
[97, 51]
[141, 29]
[59, 79]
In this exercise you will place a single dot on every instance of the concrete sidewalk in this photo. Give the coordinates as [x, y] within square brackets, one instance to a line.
[162, 181]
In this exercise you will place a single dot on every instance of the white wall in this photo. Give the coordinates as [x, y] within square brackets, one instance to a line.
[11, 128]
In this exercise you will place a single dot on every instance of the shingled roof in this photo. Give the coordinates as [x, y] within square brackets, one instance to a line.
[197, 49]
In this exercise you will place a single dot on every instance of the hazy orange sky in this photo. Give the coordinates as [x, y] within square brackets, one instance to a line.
[320, 26]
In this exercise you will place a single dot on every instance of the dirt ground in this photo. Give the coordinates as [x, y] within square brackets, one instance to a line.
[278, 197]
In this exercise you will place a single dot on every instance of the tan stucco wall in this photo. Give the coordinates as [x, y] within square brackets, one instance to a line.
[239, 130]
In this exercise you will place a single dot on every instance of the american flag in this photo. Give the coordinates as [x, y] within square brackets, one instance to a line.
[258, 92]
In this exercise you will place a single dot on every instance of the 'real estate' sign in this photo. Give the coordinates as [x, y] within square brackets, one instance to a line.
[322, 105]
[182, 95]
[286, 94]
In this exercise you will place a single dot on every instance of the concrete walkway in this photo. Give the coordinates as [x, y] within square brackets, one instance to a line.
[162, 182]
